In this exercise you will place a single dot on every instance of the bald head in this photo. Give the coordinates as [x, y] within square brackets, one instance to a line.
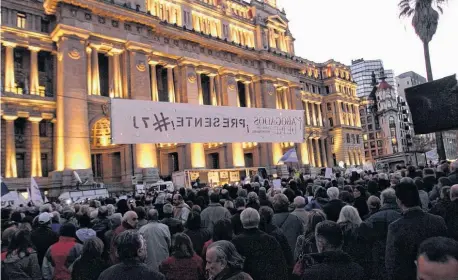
[130, 218]
[299, 202]
[153, 215]
[454, 192]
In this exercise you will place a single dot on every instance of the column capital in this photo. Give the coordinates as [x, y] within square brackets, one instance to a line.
[35, 119]
[88, 50]
[153, 62]
[9, 44]
[9, 117]
[34, 48]
[170, 66]
[115, 51]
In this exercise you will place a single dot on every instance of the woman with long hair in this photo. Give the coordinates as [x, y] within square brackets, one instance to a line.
[90, 264]
[196, 232]
[184, 263]
[360, 202]
[222, 230]
[306, 243]
[20, 261]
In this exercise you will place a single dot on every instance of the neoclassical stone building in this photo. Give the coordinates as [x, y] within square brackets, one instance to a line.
[62, 61]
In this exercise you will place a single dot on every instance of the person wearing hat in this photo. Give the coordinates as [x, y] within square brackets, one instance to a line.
[61, 255]
[43, 236]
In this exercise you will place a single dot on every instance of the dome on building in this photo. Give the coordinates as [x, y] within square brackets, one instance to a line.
[384, 85]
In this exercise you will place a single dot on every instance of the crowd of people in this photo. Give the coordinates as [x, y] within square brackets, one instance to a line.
[401, 225]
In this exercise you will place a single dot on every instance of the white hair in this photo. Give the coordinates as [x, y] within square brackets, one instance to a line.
[454, 166]
[110, 209]
[333, 193]
[299, 202]
[349, 214]
[46, 208]
[388, 196]
[250, 218]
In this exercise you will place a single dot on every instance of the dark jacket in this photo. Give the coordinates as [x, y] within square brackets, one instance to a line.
[404, 237]
[451, 220]
[332, 209]
[59, 257]
[129, 271]
[441, 208]
[264, 258]
[101, 226]
[356, 244]
[174, 225]
[198, 238]
[453, 177]
[237, 223]
[291, 226]
[21, 266]
[88, 269]
[175, 268]
[316, 203]
[378, 226]
[331, 265]
[231, 274]
[281, 239]
[43, 237]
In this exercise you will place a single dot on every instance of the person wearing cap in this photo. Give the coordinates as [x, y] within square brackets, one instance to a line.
[264, 259]
[43, 236]
[61, 255]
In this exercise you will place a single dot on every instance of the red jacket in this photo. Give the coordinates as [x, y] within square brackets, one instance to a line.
[183, 268]
[59, 257]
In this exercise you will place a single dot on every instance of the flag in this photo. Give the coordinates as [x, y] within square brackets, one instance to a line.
[35, 194]
[77, 177]
[46, 199]
[4, 189]
[289, 156]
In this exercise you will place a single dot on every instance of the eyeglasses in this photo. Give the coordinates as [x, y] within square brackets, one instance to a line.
[134, 219]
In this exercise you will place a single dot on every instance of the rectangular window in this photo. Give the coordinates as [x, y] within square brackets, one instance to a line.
[21, 20]
[44, 26]
[332, 140]
[372, 144]
[44, 165]
[42, 61]
[371, 136]
[20, 165]
[357, 139]
[43, 129]
[366, 145]
[173, 162]
[348, 138]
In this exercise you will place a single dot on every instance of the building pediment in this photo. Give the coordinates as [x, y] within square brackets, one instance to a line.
[277, 21]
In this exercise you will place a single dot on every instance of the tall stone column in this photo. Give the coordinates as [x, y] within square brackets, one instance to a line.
[323, 153]
[10, 147]
[95, 72]
[339, 112]
[35, 166]
[277, 153]
[320, 118]
[247, 94]
[9, 68]
[89, 70]
[34, 79]
[235, 150]
[200, 95]
[357, 116]
[318, 153]
[307, 114]
[304, 153]
[312, 153]
[313, 114]
[116, 79]
[170, 83]
[154, 91]
[72, 136]
[214, 100]
[285, 98]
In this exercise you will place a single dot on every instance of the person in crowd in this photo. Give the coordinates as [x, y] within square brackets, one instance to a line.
[306, 243]
[346, 197]
[183, 263]
[373, 188]
[263, 201]
[85, 232]
[360, 200]
[213, 213]
[62, 254]
[181, 210]
[7, 234]
[131, 250]
[320, 199]
[43, 237]
[235, 220]
[102, 223]
[440, 208]
[55, 221]
[229, 205]
[437, 259]
[290, 224]
[435, 192]
[374, 204]
[452, 213]
[20, 261]
[223, 262]
[330, 263]
[174, 225]
[333, 207]
[378, 224]
[354, 236]
[129, 221]
[159, 203]
[453, 176]
[221, 231]
[299, 209]
[253, 201]
[198, 234]
[264, 258]
[141, 213]
[424, 197]
[407, 233]
[115, 218]
[90, 264]
[157, 238]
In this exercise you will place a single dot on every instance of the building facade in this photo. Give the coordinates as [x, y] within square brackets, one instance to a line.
[361, 71]
[63, 61]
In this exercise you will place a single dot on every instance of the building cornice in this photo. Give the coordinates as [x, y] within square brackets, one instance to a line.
[28, 101]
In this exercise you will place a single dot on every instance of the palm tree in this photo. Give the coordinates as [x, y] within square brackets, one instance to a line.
[425, 20]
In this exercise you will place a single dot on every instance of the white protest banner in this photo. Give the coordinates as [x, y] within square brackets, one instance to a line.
[139, 121]
[328, 173]
[140, 189]
[35, 194]
[277, 184]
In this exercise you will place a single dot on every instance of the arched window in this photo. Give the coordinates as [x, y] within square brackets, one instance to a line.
[391, 122]
[101, 133]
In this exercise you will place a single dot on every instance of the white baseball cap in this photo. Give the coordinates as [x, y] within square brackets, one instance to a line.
[44, 218]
